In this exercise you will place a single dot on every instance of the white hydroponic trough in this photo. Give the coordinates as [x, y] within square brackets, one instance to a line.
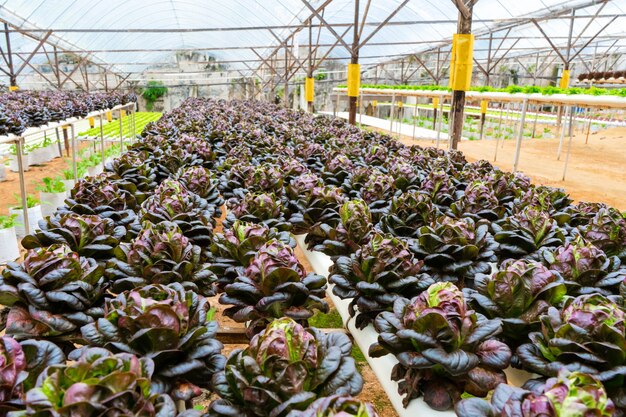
[383, 366]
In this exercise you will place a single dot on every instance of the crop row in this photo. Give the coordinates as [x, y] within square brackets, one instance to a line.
[23, 109]
[463, 270]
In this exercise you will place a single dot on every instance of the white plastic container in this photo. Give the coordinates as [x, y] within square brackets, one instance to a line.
[13, 166]
[3, 172]
[69, 184]
[50, 202]
[53, 149]
[34, 215]
[9, 250]
[38, 156]
[95, 170]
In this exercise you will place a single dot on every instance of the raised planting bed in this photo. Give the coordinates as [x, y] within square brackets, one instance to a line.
[458, 281]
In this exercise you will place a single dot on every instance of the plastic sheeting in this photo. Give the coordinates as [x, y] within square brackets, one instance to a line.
[435, 26]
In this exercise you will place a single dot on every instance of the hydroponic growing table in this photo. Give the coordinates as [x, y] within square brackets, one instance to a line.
[20, 140]
[568, 101]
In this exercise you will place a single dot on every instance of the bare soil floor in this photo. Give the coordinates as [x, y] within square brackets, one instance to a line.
[596, 171]
[11, 187]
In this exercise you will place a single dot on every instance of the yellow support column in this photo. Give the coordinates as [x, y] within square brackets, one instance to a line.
[354, 85]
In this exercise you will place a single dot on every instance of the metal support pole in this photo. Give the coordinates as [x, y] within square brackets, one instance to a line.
[507, 120]
[415, 117]
[588, 128]
[457, 107]
[520, 136]
[102, 140]
[393, 106]
[286, 94]
[483, 118]
[569, 149]
[336, 105]
[441, 100]
[20, 164]
[360, 109]
[354, 59]
[500, 135]
[121, 133]
[400, 117]
[56, 131]
[74, 167]
[537, 107]
[562, 139]
[134, 123]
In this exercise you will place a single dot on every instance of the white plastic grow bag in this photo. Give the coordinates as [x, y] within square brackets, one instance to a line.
[69, 184]
[95, 170]
[13, 165]
[34, 215]
[9, 250]
[50, 202]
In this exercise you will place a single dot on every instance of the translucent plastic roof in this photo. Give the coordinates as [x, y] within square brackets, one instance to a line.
[435, 26]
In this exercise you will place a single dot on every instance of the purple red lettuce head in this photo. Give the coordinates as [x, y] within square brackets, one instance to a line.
[304, 365]
[264, 178]
[519, 293]
[338, 406]
[51, 294]
[586, 268]
[172, 326]
[160, 254]
[383, 269]
[526, 232]
[120, 384]
[93, 195]
[275, 284]
[478, 202]
[588, 333]
[338, 163]
[443, 348]
[569, 394]
[88, 235]
[607, 231]
[303, 184]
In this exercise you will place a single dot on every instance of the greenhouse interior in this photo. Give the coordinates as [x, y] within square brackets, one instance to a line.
[312, 208]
